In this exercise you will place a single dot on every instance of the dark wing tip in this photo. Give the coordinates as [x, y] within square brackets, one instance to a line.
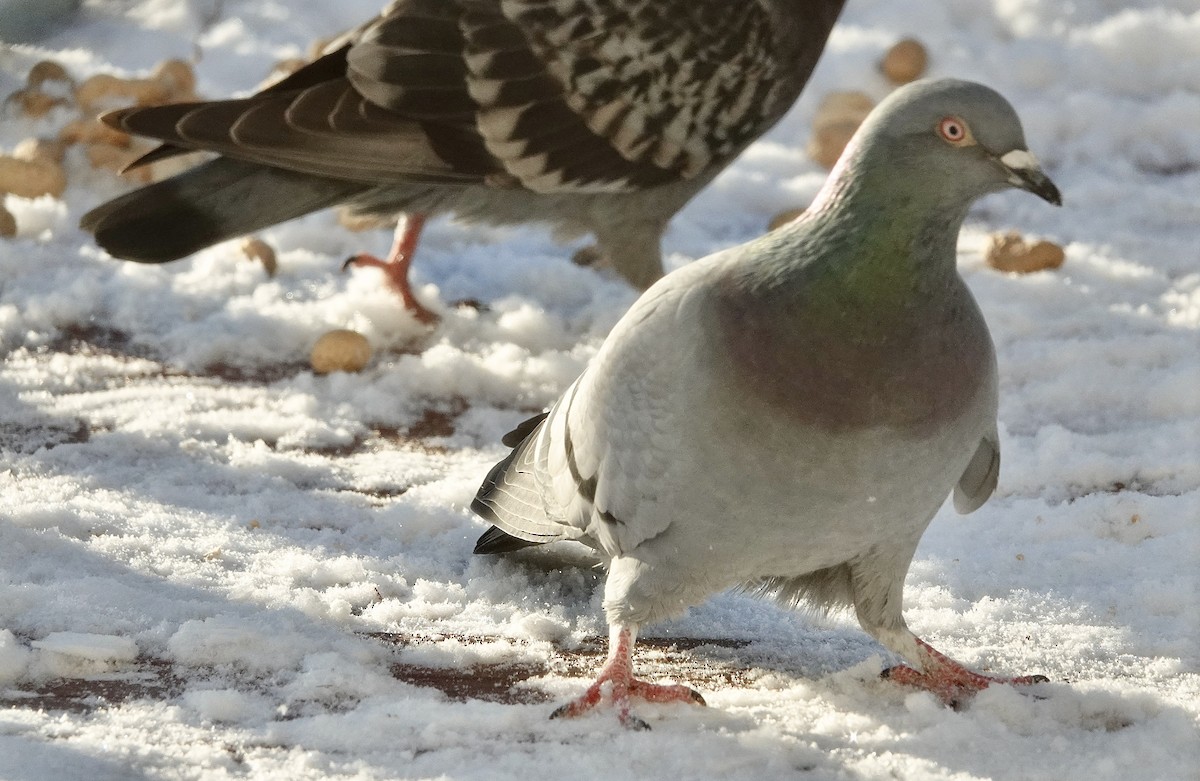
[523, 430]
[494, 540]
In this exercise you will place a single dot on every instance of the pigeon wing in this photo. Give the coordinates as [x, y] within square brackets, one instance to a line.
[593, 469]
[979, 479]
[548, 95]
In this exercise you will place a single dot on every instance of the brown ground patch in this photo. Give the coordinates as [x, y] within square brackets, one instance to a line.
[658, 658]
[434, 422]
[32, 435]
[152, 679]
[678, 659]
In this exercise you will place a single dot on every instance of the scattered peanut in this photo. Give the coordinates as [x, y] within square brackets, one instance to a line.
[783, 218]
[31, 178]
[1011, 252]
[256, 249]
[848, 106]
[34, 103]
[904, 62]
[104, 91]
[837, 117]
[340, 350]
[46, 70]
[363, 222]
[92, 131]
[8, 223]
[177, 78]
[95, 89]
[116, 159]
[35, 166]
[50, 149]
[106, 156]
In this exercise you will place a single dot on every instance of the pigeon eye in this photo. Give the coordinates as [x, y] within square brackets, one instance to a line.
[954, 130]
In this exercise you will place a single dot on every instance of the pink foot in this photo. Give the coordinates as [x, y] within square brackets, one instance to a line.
[952, 683]
[397, 265]
[618, 673]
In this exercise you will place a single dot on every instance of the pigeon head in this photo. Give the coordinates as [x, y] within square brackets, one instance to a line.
[943, 142]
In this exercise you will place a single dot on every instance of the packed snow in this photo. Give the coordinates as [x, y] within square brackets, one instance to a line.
[214, 563]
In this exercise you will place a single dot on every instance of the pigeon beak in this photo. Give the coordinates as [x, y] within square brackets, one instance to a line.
[1025, 172]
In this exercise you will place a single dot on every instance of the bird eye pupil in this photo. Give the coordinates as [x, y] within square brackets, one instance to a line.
[952, 129]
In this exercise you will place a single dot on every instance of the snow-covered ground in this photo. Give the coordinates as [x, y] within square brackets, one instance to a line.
[215, 564]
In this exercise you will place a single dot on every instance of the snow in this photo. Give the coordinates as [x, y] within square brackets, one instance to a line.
[215, 564]
[97, 648]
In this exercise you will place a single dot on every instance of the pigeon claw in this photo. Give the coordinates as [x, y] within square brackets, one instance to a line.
[617, 682]
[948, 680]
[621, 693]
[632, 722]
[396, 274]
[955, 689]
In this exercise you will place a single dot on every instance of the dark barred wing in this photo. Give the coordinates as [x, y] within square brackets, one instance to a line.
[548, 95]
[576, 95]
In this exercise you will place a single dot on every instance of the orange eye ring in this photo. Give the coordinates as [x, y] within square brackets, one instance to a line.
[955, 131]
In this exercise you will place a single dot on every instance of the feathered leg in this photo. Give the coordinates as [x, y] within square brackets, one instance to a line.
[398, 263]
[631, 248]
[877, 584]
[618, 674]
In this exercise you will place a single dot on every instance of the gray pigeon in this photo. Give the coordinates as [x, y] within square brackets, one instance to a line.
[788, 415]
[594, 116]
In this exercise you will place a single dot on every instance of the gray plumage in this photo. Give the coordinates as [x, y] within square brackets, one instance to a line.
[594, 116]
[789, 415]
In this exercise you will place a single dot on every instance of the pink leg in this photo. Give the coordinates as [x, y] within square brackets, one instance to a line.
[949, 680]
[396, 267]
[618, 673]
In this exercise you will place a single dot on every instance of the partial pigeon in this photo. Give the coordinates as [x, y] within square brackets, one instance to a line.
[594, 116]
[789, 415]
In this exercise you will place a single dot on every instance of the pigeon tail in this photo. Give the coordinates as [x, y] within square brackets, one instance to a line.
[510, 496]
[505, 504]
[212, 202]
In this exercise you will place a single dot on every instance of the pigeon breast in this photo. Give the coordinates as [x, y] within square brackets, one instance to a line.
[911, 370]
